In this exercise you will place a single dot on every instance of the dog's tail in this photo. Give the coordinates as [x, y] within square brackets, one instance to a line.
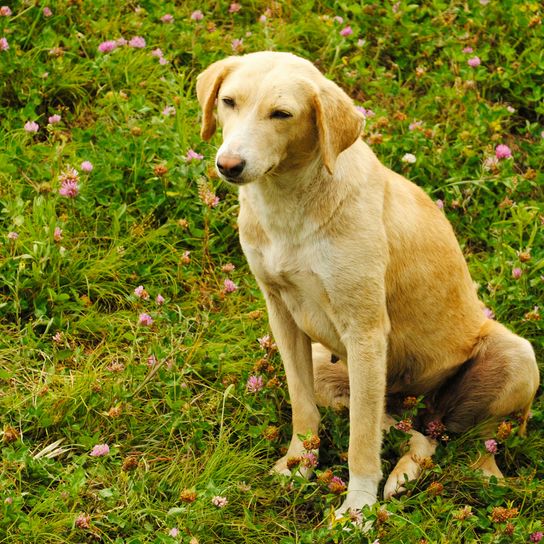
[331, 379]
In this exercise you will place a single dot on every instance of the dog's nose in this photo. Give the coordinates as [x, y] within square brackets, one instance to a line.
[230, 166]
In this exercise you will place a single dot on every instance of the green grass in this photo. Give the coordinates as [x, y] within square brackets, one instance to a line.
[170, 400]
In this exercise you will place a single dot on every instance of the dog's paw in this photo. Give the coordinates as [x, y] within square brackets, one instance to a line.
[353, 504]
[407, 469]
[290, 465]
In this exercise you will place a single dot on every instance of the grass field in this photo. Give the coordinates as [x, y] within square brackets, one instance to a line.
[140, 399]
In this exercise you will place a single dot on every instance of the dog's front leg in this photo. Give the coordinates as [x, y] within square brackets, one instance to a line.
[296, 351]
[367, 378]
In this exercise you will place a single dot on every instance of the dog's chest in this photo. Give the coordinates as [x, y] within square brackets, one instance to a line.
[295, 274]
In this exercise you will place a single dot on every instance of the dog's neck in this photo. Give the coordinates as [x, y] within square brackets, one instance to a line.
[286, 203]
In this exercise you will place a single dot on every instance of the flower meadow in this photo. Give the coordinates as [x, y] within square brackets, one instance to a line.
[142, 398]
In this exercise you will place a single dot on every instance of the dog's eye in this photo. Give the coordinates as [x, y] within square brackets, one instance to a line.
[280, 114]
[229, 102]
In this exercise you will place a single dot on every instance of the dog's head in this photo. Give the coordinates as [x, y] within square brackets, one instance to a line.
[277, 112]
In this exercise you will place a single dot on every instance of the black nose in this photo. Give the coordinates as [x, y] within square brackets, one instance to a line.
[231, 167]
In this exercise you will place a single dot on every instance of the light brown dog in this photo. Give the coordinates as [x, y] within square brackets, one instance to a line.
[351, 255]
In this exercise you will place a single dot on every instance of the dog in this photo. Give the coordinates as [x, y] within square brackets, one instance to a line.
[354, 261]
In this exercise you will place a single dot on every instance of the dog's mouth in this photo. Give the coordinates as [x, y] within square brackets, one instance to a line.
[241, 180]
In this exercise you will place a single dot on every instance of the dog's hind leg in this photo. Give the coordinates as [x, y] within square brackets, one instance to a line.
[500, 378]
[408, 467]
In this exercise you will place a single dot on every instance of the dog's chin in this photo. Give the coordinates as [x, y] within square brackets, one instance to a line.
[246, 178]
[238, 182]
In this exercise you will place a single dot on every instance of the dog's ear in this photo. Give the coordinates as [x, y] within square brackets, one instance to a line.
[208, 84]
[339, 124]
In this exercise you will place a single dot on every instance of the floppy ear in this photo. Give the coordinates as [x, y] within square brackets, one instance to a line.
[208, 84]
[339, 124]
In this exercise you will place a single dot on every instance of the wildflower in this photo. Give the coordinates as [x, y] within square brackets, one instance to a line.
[121, 42]
[160, 170]
[473, 62]
[490, 163]
[499, 514]
[229, 267]
[235, 7]
[86, 166]
[57, 235]
[254, 384]
[58, 337]
[5, 11]
[108, 46]
[347, 31]
[229, 286]
[83, 521]
[32, 126]
[4, 45]
[69, 189]
[163, 61]
[69, 174]
[502, 151]
[409, 158]
[208, 197]
[167, 18]
[145, 320]
[187, 495]
[114, 411]
[140, 292]
[262, 19]
[435, 488]
[47, 12]
[219, 501]
[504, 431]
[536, 537]
[54, 119]
[311, 443]
[533, 315]
[409, 402]
[197, 15]
[488, 313]
[337, 485]
[517, 273]
[137, 42]
[8, 500]
[237, 45]
[168, 111]
[309, 459]
[464, 513]
[435, 428]
[11, 434]
[405, 425]
[130, 463]
[366, 113]
[12, 235]
[271, 432]
[100, 450]
[266, 342]
[510, 109]
[159, 299]
[174, 531]
[338, 19]
[491, 446]
[186, 257]
[439, 204]
[468, 50]
[193, 156]
[157, 52]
